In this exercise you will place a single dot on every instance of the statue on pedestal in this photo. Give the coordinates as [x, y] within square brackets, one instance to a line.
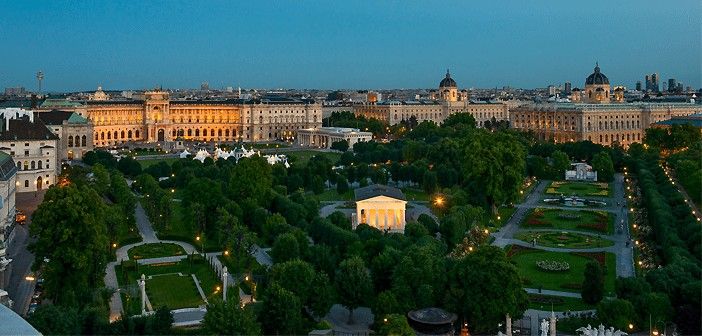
[544, 327]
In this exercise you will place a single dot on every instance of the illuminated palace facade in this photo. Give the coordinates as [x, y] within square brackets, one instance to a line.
[443, 103]
[159, 119]
[596, 115]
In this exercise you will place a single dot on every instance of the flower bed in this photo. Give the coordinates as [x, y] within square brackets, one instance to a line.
[602, 227]
[553, 265]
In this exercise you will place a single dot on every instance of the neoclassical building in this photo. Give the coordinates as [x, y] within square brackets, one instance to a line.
[445, 102]
[324, 137]
[158, 118]
[597, 115]
[381, 207]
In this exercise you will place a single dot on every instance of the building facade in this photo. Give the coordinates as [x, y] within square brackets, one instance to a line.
[32, 146]
[324, 137]
[8, 189]
[157, 118]
[596, 115]
[381, 207]
[445, 102]
[75, 133]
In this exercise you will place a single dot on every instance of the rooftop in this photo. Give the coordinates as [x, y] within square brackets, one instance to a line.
[55, 117]
[7, 166]
[378, 190]
[13, 324]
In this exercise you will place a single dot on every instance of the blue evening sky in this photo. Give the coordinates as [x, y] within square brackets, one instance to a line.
[349, 44]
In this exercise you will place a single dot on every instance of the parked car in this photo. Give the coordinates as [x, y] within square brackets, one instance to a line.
[20, 217]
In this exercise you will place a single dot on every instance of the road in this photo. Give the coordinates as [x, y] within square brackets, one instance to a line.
[19, 289]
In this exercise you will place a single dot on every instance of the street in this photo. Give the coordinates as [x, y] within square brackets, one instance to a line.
[19, 289]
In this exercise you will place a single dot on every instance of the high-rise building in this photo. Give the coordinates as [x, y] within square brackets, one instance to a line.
[552, 90]
[205, 86]
[672, 85]
[652, 83]
[638, 86]
[567, 87]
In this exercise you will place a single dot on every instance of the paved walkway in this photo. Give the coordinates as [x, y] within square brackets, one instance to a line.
[681, 189]
[616, 206]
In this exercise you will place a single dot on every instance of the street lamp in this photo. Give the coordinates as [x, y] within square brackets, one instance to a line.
[438, 201]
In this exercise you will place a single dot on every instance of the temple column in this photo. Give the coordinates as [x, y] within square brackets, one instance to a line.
[387, 222]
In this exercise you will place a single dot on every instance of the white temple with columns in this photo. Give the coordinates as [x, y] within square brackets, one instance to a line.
[381, 207]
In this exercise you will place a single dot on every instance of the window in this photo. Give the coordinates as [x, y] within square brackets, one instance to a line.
[33, 165]
[26, 153]
[70, 141]
[83, 141]
[39, 164]
[26, 183]
[19, 165]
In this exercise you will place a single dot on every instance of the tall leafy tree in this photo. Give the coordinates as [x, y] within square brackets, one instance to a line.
[353, 284]
[71, 243]
[281, 311]
[602, 163]
[560, 164]
[229, 318]
[494, 165]
[483, 286]
[593, 285]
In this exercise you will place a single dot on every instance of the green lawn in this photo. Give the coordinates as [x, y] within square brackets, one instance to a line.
[414, 194]
[563, 239]
[557, 303]
[599, 189]
[157, 250]
[128, 273]
[583, 220]
[148, 163]
[505, 213]
[568, 281]
[330, 195]
[173, 291]
[301, 157]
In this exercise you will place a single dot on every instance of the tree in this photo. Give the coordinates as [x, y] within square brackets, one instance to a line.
[342, 186]
[353, 284]
[616, 313]
[483, 286]
[429, 182]
[162, 321]
[71, 243]
[229, 318]
[593, 285]
[311, 287]
[252, 178]
[285, 248]
[494, 166]
[395, 324]
[341, 145]
[52, 320]
[602, 163]
[561, 163]
[281, 311]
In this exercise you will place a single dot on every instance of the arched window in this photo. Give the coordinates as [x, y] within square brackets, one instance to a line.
[121, 135]
[219, 132]
[129, 134]
[190, 132]
[197, 132]
[226, 133]
[115, 135]
[102, 135]
[33, 165]
[212, 133]
[26, 165]
[109, 135]
[26, 183]
[70, 141]
[83, 141]
[39, 164]
[19, 165]
[136, 134]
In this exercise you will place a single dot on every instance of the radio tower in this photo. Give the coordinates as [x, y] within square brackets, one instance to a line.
[40, 77]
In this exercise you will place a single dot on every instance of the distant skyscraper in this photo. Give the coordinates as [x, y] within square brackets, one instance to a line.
[638, 86]
[672, 85]
[567, 87]
[205, 86]
[652, 83]
[552, 90]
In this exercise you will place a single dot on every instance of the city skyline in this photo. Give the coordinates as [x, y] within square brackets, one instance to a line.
[383, 46]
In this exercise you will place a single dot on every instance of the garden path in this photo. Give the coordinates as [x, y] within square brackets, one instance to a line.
[622, 248]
